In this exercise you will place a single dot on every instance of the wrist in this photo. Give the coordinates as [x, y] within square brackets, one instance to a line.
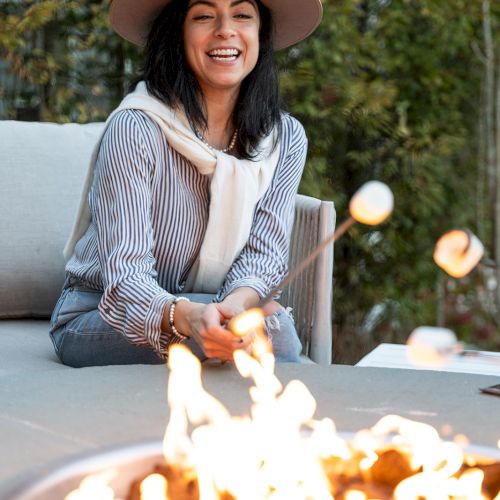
[242, 298]
[174, 316]
[182, 316]
[171, 317]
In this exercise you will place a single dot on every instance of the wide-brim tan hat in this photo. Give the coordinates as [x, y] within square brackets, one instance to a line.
[294, 20]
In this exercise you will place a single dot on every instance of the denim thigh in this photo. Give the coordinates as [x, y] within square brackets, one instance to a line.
[89, 341]
[82, 338]
[283, 335]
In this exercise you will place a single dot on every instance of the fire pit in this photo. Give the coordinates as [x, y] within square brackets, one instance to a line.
[279, 451]
[120, 467]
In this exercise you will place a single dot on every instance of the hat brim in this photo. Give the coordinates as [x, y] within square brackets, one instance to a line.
[294, 20]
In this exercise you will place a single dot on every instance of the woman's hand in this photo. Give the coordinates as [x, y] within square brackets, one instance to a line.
[206, 323]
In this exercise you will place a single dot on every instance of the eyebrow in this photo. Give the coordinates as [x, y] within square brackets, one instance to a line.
[212, 4]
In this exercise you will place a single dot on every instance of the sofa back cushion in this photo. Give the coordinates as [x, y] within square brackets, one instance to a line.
[42, 170]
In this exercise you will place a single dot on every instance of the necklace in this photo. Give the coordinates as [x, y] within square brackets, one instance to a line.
[232, 143]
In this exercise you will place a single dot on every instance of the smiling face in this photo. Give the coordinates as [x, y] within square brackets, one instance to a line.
[221, 42]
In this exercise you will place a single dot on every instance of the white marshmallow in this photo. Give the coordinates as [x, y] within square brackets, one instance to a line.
[372, 203]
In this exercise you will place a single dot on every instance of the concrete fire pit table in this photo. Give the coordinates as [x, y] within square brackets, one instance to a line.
[51, 416]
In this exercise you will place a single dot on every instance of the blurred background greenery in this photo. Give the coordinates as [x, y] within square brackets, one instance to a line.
[403, 91]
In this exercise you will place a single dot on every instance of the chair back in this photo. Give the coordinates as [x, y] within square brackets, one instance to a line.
[310, 294]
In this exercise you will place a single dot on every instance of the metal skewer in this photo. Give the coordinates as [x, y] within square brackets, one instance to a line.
[467, 353]
[308, 260]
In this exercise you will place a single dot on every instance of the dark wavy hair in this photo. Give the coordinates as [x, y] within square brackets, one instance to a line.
[169, 78]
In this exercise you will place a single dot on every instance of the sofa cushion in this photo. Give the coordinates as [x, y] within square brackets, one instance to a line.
[25, 347]
[42, 170]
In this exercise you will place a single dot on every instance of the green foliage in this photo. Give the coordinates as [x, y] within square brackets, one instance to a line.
[386, 90]
[390, 91]
[73, 67]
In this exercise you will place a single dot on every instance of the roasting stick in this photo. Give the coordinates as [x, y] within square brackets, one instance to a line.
[305, 263]
[371, 204]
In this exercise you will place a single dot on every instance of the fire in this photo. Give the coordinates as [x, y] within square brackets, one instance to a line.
[94, 487]
[154, 487]
[246, 457]
[279, 451]
[355, 495]
[252, 319]
[252, 322]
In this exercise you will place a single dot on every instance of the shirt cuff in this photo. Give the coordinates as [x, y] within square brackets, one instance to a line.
[158, 339]
[257, 284]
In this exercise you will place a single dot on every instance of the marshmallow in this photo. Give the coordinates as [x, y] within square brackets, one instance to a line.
[372, 203]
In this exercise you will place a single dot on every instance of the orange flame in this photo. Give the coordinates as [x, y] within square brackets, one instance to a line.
[279, 450]
[95, 487]
[252, 322]
[154, 487]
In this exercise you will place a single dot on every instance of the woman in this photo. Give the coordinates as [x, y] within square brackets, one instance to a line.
[186, 214]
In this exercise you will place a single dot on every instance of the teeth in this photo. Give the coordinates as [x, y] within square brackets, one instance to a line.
[225, 58]
[223, 52]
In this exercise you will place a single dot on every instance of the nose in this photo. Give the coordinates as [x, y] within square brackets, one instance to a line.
[225, 28]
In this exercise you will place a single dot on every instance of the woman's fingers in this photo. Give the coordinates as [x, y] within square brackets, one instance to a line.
[215, 351]
[214, 343]
[214, 338]
[224, 338]
[207, 324]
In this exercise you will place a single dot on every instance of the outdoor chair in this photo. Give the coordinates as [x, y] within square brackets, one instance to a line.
[310, 294]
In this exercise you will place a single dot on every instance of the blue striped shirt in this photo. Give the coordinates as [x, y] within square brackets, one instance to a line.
[149, 209]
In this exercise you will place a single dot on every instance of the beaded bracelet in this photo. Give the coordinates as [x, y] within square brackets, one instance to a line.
[171, 311]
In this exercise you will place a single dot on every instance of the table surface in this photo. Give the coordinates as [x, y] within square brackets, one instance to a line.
[45, 422]
[396, 356]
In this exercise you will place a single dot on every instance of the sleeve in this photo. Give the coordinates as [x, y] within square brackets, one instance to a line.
[120, 201]
[262, 264]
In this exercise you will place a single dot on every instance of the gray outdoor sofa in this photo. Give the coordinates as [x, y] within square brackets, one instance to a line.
[43, 167]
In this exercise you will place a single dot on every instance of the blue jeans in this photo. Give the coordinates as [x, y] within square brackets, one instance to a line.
[82, 338]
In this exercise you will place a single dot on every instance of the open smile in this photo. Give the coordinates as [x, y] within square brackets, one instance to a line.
[224, 55]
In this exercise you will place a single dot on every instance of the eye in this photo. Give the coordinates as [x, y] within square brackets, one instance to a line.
[202, 17]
